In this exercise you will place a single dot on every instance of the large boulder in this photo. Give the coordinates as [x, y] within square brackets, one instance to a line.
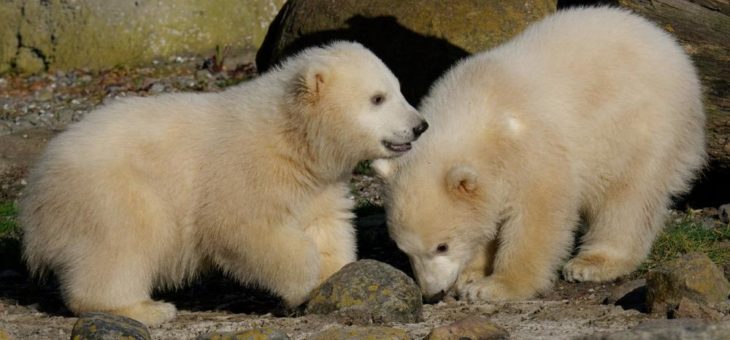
[418, 40]
[97, 34]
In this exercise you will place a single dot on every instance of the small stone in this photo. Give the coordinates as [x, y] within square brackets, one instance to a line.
[156, 88]
[203, 75]
[28, 61]
[473, 327]
[251, 334]
[691, 309]
[102, 326]
[361, 333]
[366, 292]
[692, 275]
[44, 94]
[723, 212]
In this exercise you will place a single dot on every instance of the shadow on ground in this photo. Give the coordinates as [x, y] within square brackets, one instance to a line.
[211, 292]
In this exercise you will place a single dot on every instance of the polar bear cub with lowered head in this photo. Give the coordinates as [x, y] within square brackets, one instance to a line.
[593, 112]
[147, 192]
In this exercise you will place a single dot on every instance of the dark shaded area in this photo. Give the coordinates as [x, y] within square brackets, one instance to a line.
[711, 189]
[212, 291]
[416, 60]
[578, 3]
[635, 299]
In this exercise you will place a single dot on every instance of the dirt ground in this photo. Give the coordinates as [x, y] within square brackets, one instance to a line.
[33, 310]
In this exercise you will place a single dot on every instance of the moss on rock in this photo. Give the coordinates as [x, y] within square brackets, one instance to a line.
[368, 291]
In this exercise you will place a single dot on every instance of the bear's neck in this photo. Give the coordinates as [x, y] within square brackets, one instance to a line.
[323, 157]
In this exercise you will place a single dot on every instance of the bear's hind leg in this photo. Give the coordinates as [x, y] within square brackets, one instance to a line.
[114, 284]
[619, 237]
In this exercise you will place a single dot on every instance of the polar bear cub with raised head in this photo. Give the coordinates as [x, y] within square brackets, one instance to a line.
[592, 112]
[147, 192]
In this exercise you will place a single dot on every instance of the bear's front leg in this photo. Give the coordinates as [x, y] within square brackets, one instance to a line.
[335, 241]
[534, 241]
[328, 222]
[479, 267]
[282, 259]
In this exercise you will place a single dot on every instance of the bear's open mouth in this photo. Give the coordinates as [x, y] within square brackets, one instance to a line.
[395, 147]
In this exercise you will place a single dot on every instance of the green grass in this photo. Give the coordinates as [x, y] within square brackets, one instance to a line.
[8, 214]
[689, 235]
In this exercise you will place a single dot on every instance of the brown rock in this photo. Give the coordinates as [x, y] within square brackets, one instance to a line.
[693, 276]
[473, 327]
[361, 333]
[691, 309]
[417, 39]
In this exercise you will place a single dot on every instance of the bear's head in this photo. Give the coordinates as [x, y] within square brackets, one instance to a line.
[439, 214]
[350, 104]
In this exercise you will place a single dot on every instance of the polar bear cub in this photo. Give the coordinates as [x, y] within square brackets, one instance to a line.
[147, 192]
[593, 112]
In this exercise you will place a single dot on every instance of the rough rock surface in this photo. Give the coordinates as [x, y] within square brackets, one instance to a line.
[361, 333]
[693, 276]
[473, 327]
[677, 329]
[251, 334]
[688, 308]
[101, 326]
[368, 291]
[418, 40]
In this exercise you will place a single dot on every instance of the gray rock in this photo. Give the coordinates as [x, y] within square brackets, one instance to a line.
[102, 326]
[473, 327]
[677, 329]
[156, 88]
[368, 291]
[693, 276]
[361, 333]
[723, 213]
[251, 334]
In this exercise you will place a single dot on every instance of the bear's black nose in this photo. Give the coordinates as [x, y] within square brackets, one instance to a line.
[418, 130]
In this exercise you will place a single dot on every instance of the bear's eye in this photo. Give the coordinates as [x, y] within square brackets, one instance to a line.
[442, 248]
[377, 99]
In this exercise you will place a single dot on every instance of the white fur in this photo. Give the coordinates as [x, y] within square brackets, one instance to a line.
[591, 111]
[147, 192]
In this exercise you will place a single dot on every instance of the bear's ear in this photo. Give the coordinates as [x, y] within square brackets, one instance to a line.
[463, 179]
[311, 82]
[383, 167]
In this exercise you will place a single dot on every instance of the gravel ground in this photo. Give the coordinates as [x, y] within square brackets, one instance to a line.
[34, 108]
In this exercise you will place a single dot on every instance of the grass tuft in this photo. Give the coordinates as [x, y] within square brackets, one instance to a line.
[689, 234]
[8, 214]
